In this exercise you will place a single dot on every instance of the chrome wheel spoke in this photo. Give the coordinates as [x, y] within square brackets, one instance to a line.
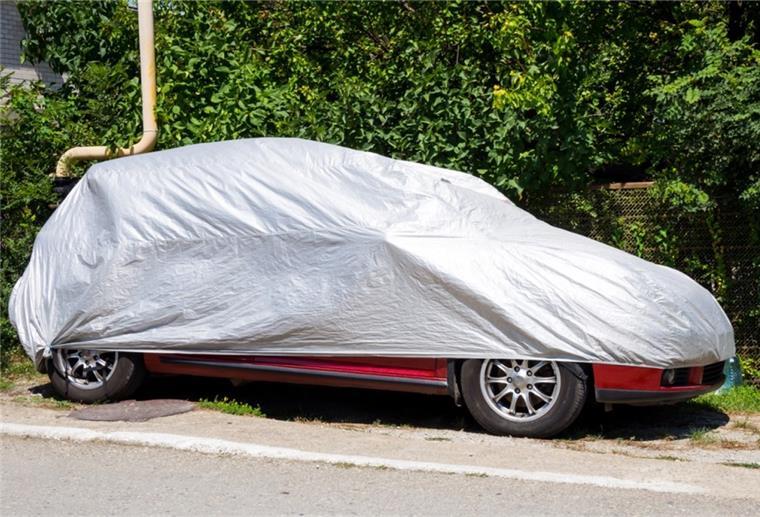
[513, 404]
[496, 380]
[537, 367]
[501, 367]
[528, 404]
[541, 395]
[500, 395]
[544, 380]
[76, 366]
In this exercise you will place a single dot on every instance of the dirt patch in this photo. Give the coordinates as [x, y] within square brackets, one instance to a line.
[683, 432]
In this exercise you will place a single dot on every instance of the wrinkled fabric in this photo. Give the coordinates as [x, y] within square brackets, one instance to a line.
[285, 246]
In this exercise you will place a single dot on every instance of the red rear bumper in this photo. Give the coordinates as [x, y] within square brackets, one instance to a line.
[641, 386]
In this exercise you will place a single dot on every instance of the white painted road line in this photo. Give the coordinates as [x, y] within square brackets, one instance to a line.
[217, 446]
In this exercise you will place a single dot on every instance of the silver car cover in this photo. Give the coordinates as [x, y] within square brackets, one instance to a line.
[285, 246]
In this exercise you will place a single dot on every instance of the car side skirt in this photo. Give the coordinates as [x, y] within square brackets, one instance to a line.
[427, 378]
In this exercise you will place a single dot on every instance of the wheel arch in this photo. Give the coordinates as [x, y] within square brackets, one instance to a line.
[454, 380]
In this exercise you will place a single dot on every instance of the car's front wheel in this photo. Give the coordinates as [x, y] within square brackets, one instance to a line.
[523, 398]
[91, 376]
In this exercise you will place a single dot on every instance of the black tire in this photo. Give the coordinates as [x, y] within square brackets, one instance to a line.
[128, 374]
[570, 399]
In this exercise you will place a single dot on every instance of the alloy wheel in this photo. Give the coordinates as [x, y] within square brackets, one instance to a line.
[520, 390]
[88, 369]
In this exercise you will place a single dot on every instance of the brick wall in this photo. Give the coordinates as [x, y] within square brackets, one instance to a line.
[11, 33]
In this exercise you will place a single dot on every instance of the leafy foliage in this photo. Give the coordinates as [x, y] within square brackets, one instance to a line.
[698, 135]
[35, 128]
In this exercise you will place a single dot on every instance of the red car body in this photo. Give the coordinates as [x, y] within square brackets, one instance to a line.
[612, 384]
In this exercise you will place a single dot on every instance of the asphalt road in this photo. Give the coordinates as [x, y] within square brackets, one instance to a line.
[48, 477]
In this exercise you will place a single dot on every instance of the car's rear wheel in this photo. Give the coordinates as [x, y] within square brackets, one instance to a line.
[522, 397]
[91, 376]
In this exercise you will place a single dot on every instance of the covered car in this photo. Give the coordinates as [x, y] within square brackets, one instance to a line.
[287, 247]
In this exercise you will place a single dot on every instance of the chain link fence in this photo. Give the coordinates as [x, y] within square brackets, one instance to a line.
[719, 247]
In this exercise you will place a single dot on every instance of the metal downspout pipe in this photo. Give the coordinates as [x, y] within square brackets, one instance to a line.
[148, 89]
